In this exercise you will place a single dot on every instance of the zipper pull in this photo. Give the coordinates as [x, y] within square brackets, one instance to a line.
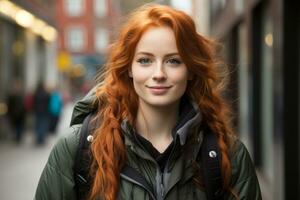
[162, 190]
[162, 185]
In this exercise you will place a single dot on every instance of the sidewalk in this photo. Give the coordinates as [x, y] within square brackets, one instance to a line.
[22, 165]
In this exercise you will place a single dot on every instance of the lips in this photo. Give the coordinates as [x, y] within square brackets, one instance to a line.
[159, 87]
[158, 90]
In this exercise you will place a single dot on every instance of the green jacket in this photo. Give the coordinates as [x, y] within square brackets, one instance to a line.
[57, 181]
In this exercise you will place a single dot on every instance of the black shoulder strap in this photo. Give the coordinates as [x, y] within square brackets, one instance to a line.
[211, 166]
[83, 161]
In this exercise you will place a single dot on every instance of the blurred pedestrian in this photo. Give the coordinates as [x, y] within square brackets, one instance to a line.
[55, 108]
[16, 110]
[157, 104]
[41, 112]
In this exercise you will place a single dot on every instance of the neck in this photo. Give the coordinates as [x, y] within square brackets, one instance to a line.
[156, 123]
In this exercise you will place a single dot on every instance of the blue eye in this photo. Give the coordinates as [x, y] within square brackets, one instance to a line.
[174, 61]
[144, 61]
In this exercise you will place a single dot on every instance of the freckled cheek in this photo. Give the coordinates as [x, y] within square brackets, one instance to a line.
[139, 80]
[140, 74]
[179, 77]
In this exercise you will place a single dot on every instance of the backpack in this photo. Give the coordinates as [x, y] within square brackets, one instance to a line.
[210, 158]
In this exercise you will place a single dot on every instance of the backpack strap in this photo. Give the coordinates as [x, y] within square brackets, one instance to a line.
[83, 161]
[211, 166]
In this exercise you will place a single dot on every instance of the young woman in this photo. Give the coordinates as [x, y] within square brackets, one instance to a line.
[158, 95]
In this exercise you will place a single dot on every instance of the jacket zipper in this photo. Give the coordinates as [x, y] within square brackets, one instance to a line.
[162, 186]
[154, 197]
[167, 167]
[160, 183]
[168, 162]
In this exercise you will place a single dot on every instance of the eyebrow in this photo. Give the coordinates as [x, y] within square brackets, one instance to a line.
[150, 54]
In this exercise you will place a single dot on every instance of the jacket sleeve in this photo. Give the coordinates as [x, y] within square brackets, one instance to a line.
[57, 181]
[244, 181]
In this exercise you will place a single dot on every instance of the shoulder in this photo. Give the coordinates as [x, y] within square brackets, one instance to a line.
[240, 159]
[244, 180]
[64, 151]
[57, 181]
[238, 148]
[70, 138]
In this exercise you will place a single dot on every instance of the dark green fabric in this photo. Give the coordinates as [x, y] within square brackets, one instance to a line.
[57, 181]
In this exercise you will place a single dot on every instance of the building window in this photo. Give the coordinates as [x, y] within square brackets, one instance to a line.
[74, 8]
[101, 39]
[100, 7]
[75, 39]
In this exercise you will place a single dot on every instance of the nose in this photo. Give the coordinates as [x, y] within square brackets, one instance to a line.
[159, 73]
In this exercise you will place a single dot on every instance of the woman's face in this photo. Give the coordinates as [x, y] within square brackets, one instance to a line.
[159, 74]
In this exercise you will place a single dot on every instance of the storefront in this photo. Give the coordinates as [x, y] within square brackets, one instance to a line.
[27, 49]
[262, 45]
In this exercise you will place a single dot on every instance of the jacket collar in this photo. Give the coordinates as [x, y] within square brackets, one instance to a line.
[84, 107]
[189, 117]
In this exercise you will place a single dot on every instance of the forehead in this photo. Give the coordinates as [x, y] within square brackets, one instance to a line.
[157, 40]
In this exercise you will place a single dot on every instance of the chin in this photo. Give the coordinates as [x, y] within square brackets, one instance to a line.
[161, 101]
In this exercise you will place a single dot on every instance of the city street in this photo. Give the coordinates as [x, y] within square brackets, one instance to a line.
[21, 165]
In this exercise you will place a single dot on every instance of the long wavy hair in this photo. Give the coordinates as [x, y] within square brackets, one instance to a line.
[117, 99]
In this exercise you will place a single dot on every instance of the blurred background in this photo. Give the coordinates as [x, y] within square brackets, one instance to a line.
[50, 51]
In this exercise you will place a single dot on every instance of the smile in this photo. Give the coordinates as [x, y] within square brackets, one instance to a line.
[158, 90]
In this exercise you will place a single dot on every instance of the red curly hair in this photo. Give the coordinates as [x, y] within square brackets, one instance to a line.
[117, 99]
